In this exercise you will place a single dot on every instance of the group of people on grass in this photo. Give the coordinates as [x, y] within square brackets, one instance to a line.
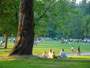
[51, 54]
[76, 51]
[62, 54]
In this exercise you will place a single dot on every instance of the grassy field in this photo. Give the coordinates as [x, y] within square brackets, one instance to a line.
[36, 62]
[55, 45]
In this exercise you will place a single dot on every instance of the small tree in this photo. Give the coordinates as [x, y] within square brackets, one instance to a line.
[8, 18]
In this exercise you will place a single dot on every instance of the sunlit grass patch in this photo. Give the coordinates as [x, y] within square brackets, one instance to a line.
[7, 58]
[80, 57]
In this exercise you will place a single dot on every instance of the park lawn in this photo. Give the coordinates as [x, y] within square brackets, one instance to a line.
[35, 62]
[57, 46]
[46, 45]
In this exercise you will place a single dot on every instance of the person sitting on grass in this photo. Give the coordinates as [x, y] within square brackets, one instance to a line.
[62, 54]
[54, 56]
[44, 55]
[50, 54]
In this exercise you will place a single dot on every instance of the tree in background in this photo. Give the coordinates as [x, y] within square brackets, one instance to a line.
[8, 18]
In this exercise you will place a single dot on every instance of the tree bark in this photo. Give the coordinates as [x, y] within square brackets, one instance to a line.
[25, 35]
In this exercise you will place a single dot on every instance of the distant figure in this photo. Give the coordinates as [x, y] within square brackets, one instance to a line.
[44, 55]
[2, 42]
[62, 54]
[78, 50]
[73, 50]
[50, 54]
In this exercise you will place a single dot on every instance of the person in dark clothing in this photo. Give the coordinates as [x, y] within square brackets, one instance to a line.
[78, 50]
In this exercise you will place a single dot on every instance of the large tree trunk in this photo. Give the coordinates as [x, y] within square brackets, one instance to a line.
[25, 35]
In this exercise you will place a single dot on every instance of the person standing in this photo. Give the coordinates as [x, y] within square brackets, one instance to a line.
[78, 50]
[72, 50]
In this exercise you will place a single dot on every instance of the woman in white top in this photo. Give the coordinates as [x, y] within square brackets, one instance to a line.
[50, 54]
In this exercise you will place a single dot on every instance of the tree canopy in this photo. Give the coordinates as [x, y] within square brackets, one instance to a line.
[53, 18]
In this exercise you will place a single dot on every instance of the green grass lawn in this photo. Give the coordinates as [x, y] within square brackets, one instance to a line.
[57, 46]
[46, 45]
[35, 62]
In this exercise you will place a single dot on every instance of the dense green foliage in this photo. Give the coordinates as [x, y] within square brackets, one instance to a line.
[62, 18]
[8, 16]
[53, 18]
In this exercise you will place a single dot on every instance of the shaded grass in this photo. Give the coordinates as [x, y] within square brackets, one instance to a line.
[35, 62]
